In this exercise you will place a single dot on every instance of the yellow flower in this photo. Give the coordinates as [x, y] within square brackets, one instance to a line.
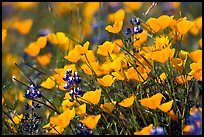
[132, 5]
[184, 26]
[177, 63]
[91, 121]
[117, 16]
[119, 75]
[162, 77]
[49, 83]
[82, 50]
[81, 110]
[44, 59]
[106, 48]
[106, 81]
[41, 42]
[200, 43]
[63, 119]
[197, 26]
[90, 57]
[4, 33]
[165, 107]
[16, 119]
[142, 37]
[127, 102]
[32, 49]
[116, 28]
[118, 44]
[23, 26]
[152, 102]
[162, 42]
[183, 79]
[160, 23]
[91, 97]
[195, 55]
[108, 107]
[73, 56]
[173, 115]
[163, 55]
[196, 69]
[145, 130]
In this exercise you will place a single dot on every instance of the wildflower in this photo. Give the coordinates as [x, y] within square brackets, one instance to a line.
[63, 119]
[195, 55]
[127, 102]
[41, 42]
[81, 110]
[140, 38]
[23, 26]
[160, 23]
[163, 55]
[82, 50]
[32, 49]
[158, 131]
[116, 28]
[197, 26]
[73, 56]
[4, 34]
[44, 59]
[91, 97]
[117, 16]
[49, 83]
[106, 81]
[183, 79]
[152, 102]
[145, 130]
[200, 43]
[196, 70]
[108, 107]
[165, 107]
[184, 26]
[91, 121]
[172, 115]
[132, 5]
[117, 48]
[33, 92]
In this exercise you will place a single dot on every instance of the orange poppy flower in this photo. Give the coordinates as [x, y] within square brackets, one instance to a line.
[49, 83]
[173, 115]
[145, 130]
[73, 56]
[184, 26]
[132, 5]
[91, 121]
[32, 49]
[165, 107]
[181, 79]
[106, 48]
[44, 59]
[116, 28]
[152, 102]
[117, 16]
[106, 81]
[197, 26]
[81, 110]
[4, 33]
[200, 43]
[82, 50]
[41, 42]
[127, 102]
[23, 26]
[108, 107]
[195, 55]
[91, 97]
[117, 48]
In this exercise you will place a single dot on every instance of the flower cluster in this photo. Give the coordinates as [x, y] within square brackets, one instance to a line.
[33, 92]
[73, 82]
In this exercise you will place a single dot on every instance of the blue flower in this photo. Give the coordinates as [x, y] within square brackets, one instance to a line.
[158, 131]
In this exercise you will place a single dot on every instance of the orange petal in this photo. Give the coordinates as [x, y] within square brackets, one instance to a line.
[32, 49]
[49, 83]
[116, 28]
[127, 102]
[91, 97]
[145, 130]
[173, 115]
[165, 107]
[91, 121]
[106, 81]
